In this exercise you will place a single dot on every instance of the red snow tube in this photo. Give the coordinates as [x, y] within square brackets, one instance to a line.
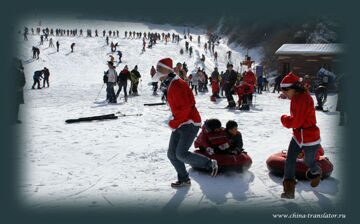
[276, 164]
[240, 162]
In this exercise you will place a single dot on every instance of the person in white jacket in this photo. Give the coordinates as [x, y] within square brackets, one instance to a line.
[195, 81]
[111, 82]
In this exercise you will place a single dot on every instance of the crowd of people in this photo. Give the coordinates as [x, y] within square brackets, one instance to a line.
[178, 87]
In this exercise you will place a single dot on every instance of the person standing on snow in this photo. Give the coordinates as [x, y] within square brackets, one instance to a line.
[229, 77]
[72, 47]
[250, 78]
[51, 44]
[154, 84]
[185, 124]
[134, 77]
[306, 135]
[122, 81]
[215, 78]
[46, 77]
[18, 71]
[111, 82]
[57, 46]
[120, 56]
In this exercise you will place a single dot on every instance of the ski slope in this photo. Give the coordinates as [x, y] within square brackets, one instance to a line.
[123, 163]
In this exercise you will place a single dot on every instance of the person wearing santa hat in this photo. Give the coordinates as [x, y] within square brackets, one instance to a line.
[306, 135]
[185, 123]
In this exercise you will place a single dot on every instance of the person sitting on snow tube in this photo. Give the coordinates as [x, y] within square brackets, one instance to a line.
[216, 140]
[234, 138]
[212, 137]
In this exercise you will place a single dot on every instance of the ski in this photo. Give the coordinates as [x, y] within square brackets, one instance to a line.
[154, 104]
[222, 108]
[92, 118]
[100, 117]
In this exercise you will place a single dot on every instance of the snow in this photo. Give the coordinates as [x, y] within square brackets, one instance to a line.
[310, 49]
[123, 162]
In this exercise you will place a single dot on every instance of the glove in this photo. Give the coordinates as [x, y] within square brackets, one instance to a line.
[224, 146]
[210, 151]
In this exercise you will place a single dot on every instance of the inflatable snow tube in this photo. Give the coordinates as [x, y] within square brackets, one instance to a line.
[240, 162]
[276, 164]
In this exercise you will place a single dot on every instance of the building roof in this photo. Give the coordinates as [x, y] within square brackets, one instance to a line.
[310, 49]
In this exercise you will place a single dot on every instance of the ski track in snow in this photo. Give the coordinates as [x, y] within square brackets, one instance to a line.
[124, 162]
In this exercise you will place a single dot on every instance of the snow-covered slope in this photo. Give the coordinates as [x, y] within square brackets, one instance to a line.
[123, 162]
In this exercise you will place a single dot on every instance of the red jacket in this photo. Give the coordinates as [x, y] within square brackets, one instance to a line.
[250, 78]
[243, 88]
[182, 104]
[211, 138]
[302, 120]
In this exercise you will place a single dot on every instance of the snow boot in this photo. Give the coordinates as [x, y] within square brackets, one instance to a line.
[314, 178]
[245, 107]
[289, 189]
[179, 183]
[213, 98]
[214, 168]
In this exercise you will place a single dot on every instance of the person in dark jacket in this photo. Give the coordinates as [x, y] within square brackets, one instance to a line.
[36, 52]
[122, 81]
[46, 77]
[37, 77]
[20, 83]
[154, 84]
[134, 77]
[234, 137]
[230, 77]
[57, 46]
[72, 47]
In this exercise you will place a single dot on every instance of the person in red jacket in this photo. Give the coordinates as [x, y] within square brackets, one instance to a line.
[250, 78]
[306, 135]
[185, 123]
[154, 84]
[212, 138]
[243, 89]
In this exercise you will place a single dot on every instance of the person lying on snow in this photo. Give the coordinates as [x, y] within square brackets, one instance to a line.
[215, 139]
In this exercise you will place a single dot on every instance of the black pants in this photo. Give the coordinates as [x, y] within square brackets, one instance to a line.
[192, 88]
[134, 88]
[122, 84]
[110, 93]
[36, 81]
[46, 80]
[155, 86]
[229, 97]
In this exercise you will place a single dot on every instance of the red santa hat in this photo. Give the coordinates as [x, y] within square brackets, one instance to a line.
[289, 80]
[165, 63]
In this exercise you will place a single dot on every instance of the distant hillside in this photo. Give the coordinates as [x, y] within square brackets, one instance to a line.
[268, 31]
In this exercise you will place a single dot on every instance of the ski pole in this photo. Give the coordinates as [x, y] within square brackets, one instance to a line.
[99, 92]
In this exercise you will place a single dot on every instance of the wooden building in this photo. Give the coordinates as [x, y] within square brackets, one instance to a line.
[307, 59]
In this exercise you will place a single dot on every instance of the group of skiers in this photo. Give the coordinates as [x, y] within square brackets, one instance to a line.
[111, 79]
